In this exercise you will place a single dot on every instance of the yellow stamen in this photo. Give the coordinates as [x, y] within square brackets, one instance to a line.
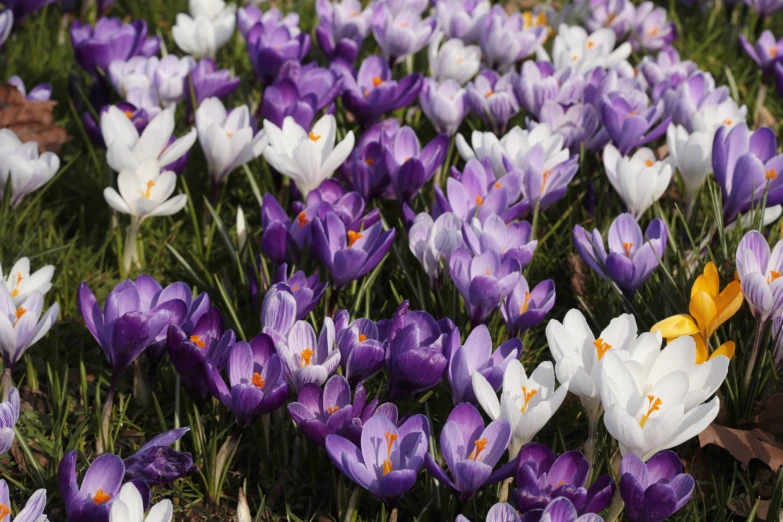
[523, 308]
[376, 81]
[771, 174]
[649, 162]
[479, 200]
[590, 44]
[332, 409]
[302, 219]
[101, 497]
[772, 276]
[314, 136]
[362, 338]
[19, 313]
[258, 381]
[481, 445]
[353, 237]
[496, 185]
[306, 355]
[655, 405]
[129, 114]
[544, 178]
[488, 272]
[15, 291]
[527, 395]
[601, 347]
[627, 247]
[489, 94]
[148, 192]
[574, 58]
[387, 463]
[195, 339]
[229, 134]
[728, 121]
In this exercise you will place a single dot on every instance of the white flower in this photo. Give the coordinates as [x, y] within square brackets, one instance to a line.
[227, 139]
[691, 155]
[574, 48]
[128, 507]
[306, 158]
[20, 327]
[655, 400]
[241, 229]
[432, 241]
[453, 60]
[21, 164]
[171, 78]
[137, 73]
[640, 180]
[21, 284]
[208, 29]
[771, 214]
[153, 80]
[144, 191]
[578, 354]
[709, 118]
[127, 150]
[526, 403]
[482, 147]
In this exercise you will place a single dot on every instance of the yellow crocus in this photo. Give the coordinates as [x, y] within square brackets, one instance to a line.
[709, 308]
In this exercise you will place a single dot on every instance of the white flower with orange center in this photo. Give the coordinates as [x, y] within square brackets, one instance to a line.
[21, 326]
[21, 283]
[576, 49]
[145, 191]
[640, 180]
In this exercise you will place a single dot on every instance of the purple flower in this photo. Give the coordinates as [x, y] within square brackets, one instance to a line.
[366, 169]
[6, 25]
[632, 256]
[476, 355]
[250, 16]
[189, 353]
[42, 92]
[256, 378]
[100, 487]
[129, 321]
[523, 309]
[307, 291]
[471, 451]
[746, 165]
[157, 464]
[343, 27]
[505, 41]
[541, 478]
[23, 8]
[271, 45]
[463, 19]
[629, 121]
[389, 458]
[33, 511]
[361, 350]
[373, 91]
[539, 82]
[348, 254]
[9, 415]
[307, 359]
[617, 15]
[666, 71]
[278, 312]
[492, 97]
[759, 273]
[444, 104]
[415, 360]
[300, 92]
[319, 413]
[509, 241]
[767, 51]
[651, 30]
[409, 166]
[559, 510]
[654, 491]
[400, 34]
[577, 123]
[542, 185]
[283, 237]
[483, 281]
[209, 82]
[110, 40]
[764, 8]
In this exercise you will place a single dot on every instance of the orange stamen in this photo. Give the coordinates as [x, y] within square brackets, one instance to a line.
[101, 497]
[496, 185]
[387, 463]
[544, 179]
[128, 114]
[314, 136]
[369, 161]
[772, 276]
[195, 339]
[601, 347]
[302, 219]
[295, 288]
[362, 338]
[654, 31]
[771, 174]
[332, 409]
[649, 162]
[376, 81]
[655, 405]
[523, 308]
[15, 291]
[528, 395]
[627, 247]
[19, 313]
[353, 237]
[728, 121]
[481, 445]
[258, 381]
[479, 200]
[590, 44]
[306, 355]
[148, 192]
[354, 14]
[489, 94]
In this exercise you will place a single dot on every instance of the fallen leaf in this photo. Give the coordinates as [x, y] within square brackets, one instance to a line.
[744, 505]
[578, 279]
[770, 418]
[30, 120]
[745, 445]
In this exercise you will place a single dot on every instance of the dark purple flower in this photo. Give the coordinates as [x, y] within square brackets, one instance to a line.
[139, 117]
[511, 241]
[307, 291]
[408, 165]
[471, 451]
[300, 92]
[95, 48]
[541, 478]
[483, 280]
[666, 71]
[365, 170]
[9, 415]
[373, 91]
[270, 46]
[654, 491]
[491, 97]
[100, 487]
[632, 256]
[361, 350]
[157, 464]
[248, 17]
[42, 92]
[209, 82]
[23, 8]
[629, 121]
[343, 27]
[256, 379]
[278, 312]
[558, 510]
[321, 412]
[476, 355]
[523, 309]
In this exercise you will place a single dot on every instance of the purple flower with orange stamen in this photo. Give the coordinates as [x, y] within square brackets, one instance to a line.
[483, 280]
[491, 97]
[361, 350]
[409, 165]
[308, 359]
[92, 500]
[524, 308]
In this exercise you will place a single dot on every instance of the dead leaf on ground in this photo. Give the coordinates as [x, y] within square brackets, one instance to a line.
[770, 418]
[578, 278]
[30, 120]
[745, 445]
[743, 506]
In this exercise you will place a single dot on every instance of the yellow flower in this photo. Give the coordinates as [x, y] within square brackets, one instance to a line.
[709, 308]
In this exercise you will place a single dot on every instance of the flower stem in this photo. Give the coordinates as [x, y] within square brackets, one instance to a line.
[103, 441]
[350, 510]
[753, 355]
[616, 507]
[393, 515]
[8, 382]
[130, 253]
[591, 436]
[223, 461]
[503, 494]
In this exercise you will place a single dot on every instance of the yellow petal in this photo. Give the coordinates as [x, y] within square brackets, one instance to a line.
[701, 349]
[726, 349]
[707, 282]
[728, 303]
[704, 311]
[676, 326]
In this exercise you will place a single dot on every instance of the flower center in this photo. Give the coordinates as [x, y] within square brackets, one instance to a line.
[302, 219]
[574, 58]
[610, 18]
[489, 94]
[523, 308]
[460, 59]
[354, 14]
[353, 237]
[369, 161]
[590, 44]
[128, 114]
[601, 347]
[481, 445]
[387, 463]
[773, 51]
[332, 409]
[627, 247]
[101, 497]
[4, 511]
[527, 395]
[772, 276]
[148, 191]
[649, 163]
[376, 81]
[479, 201]
[771, 174]
[496, 185]
[404, 24]
[314, 136]
[295, 288]
[258, 381]
[15, 291]
[545, 178]
[306, 355]
[654, 30]
[196, 339]
[728, 121]
[19, 313]
[363, 337]
[655, 405]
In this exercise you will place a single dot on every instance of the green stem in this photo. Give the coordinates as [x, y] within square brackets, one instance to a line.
[8, 382]
[350, 510]
[104, 441]
[753, 355]
[130, 253]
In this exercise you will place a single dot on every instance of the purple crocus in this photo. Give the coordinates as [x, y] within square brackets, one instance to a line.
[476, 355]
[509, 241]
[308, 359]
[9, 415]
[271, 45]
[343, 27]
[41, 92]
[409, 165]
[746, 165]
[348, 254]
[389, 458]
[541, 478]
[471, 452]
[617, 15]
[577, 123]
[250, 16]
[400, 34]
[544, 186]
[33, 511]
[361, 350]
[444, 104]
[654, 491]
[759, 274]
[537, 83]
[764, 8]
[372, 91]
[505, 41]
[767, 51]
[92, 500]
[307, 291]
[256, 378]
[110, 40]
[24, 8]
[524, 308]
[630, 123]
[322, 412]
[157, 464]
[365, 170]
[491, 96]
[139, 117]
[463, 19]
[210, 82]
[283, 237]
[651, 30]
[415, 359]
[632, 256]
[278, 312]
[300, 91]
[483, 280]
[665, 71]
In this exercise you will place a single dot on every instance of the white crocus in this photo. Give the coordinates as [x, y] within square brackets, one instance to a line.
[154, 80]
[691, 155]
[306, 158]
[227, 139]
[453, 60]
[640, 180]
[22, 167]
[710, 118]
[431, 242]
[527, 403]
[128, 507]
[21, 326]
[21, 283]
[480, 147]
[580, 51]
[126, 149]
[209, 26]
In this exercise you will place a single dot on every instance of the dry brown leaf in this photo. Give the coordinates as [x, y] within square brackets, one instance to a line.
[770, 418]
[744, 506]
[30, 120]
[745, 445]
[578, 278]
